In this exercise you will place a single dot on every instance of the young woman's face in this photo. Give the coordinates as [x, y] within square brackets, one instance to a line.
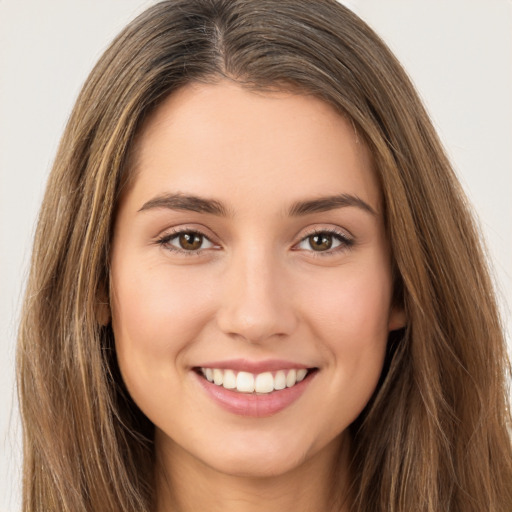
[250, 249]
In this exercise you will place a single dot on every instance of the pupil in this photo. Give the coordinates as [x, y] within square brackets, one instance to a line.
[190, 241]
[321, 242]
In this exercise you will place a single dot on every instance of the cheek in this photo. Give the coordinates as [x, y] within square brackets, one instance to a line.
[349, 317]
[352, 305]
[152, 306]
[155, 316]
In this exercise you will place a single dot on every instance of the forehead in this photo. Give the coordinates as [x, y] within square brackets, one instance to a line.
[225, 141]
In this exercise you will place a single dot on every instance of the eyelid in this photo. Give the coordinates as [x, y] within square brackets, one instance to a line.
[173, 232]
[347, 240]
[335, 230]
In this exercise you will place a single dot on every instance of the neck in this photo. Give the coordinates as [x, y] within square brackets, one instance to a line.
[185, 484]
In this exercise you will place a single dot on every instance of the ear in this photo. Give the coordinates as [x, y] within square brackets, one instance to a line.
[397, 318]
[102, 309]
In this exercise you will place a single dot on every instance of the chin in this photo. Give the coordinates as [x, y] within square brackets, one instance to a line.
[259, 456]
[262, 465]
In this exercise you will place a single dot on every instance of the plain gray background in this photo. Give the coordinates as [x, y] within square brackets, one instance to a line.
[458, 52]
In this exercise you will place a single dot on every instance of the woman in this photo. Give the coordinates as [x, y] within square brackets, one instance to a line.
[264, 289]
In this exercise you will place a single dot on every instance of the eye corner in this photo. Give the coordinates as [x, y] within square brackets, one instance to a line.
[198, 242]
[334, 241]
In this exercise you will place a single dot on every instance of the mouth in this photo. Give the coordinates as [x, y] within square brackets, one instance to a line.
[254, 388]
[263, 383]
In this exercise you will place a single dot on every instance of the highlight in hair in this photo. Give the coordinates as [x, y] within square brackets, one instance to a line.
[434, 437]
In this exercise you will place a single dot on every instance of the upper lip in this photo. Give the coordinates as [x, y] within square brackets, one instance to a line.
[245, 365]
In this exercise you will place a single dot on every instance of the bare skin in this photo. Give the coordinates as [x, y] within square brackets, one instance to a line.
[307, 488]
[251, 237]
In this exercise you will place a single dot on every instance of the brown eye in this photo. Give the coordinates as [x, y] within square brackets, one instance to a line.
[186, 242]
[320, 241]
[325, 241]
[190, 241]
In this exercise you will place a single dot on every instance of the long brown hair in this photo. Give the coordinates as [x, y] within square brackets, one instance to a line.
[434, 437]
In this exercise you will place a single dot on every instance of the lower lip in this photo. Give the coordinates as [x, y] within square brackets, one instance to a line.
[254, 405]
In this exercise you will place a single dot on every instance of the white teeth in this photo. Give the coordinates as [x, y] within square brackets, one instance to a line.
[229, 381]
[245, 382]
[264, 383]
[218, 377]
[301, 374]
[280, 380]
[291, 378]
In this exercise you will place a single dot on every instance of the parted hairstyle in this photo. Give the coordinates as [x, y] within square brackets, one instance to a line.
[436, 433]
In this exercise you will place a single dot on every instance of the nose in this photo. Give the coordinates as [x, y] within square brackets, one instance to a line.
[256, 301]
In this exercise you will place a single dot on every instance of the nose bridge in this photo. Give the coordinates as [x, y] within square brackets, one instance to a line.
[255, 304]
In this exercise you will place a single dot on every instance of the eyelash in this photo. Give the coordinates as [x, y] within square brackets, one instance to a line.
[165, 240]
[346, 243]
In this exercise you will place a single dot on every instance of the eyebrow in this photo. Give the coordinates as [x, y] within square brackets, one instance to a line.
[187, 203]
[324, 204]
[197, 204]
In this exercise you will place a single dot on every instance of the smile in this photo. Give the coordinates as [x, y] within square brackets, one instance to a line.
[254, 389]
[261, 383]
